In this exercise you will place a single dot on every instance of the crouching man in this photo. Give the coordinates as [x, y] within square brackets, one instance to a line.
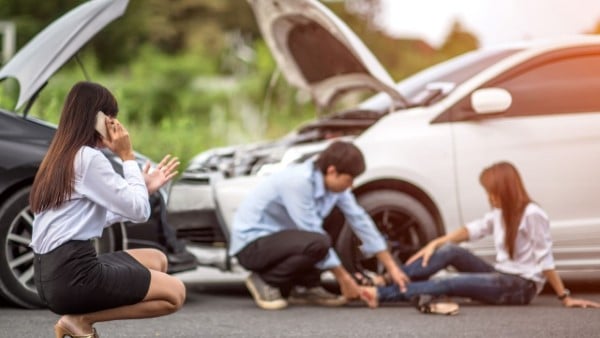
[278, 232]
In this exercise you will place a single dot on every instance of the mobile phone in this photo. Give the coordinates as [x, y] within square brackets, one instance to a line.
[101, 124]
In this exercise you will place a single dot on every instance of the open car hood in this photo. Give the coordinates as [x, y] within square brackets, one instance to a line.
[317, 52]
[37, 61]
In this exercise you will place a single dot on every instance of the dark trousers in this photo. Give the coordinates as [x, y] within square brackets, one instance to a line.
[286, 258]
[167, 235]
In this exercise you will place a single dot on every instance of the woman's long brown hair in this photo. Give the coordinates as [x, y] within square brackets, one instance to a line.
[503, 181]
[54, 180]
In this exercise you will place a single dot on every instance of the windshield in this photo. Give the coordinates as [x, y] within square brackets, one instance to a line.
[448, 75]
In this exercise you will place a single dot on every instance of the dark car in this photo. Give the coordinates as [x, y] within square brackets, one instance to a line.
[24, 141]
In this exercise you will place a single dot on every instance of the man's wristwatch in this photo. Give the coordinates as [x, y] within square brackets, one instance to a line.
[565, 294]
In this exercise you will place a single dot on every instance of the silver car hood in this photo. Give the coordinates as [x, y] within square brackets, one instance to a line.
[37, 61]
[317, 52]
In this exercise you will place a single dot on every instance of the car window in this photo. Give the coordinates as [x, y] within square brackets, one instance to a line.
[562, 82]
[565, 85]
[454, 71]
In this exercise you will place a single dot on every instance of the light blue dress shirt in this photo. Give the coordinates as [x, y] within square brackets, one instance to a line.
[296, 198]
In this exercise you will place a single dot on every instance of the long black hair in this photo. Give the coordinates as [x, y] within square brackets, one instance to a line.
[503, 181]
[53, 182]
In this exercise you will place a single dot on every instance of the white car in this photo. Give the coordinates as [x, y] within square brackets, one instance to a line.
[425, 139]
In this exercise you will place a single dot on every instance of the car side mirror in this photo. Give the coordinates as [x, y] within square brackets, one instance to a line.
[491, 100]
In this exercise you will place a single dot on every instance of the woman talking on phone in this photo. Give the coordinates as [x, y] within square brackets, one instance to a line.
[76, 193]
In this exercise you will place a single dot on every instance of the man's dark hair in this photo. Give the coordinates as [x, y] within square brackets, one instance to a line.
[344, 156]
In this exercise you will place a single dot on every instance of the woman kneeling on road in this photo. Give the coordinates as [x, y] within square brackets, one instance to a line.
[524, 258]
[76, 193]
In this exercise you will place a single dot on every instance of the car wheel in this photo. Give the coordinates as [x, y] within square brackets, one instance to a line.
[16, 257]
[404, 222]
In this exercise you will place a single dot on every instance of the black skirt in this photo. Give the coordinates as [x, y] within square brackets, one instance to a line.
[73, 279]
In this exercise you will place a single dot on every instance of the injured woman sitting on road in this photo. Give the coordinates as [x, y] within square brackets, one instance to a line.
[524, 258]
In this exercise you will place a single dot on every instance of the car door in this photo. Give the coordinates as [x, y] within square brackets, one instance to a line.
[551, 132]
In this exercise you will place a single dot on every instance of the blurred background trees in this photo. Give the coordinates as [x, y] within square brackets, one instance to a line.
[197, 72]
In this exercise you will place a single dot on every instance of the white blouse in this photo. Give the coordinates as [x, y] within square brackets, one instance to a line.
[533, 245]
[100, 198]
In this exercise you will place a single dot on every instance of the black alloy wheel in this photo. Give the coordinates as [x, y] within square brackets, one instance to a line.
[403, 221]
[16, 257]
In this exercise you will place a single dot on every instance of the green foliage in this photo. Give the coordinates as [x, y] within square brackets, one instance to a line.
[121, 41]
[458, 41]
[31, 16]
[9, 91]
[182, 104]
[173, 26]
[194, 74]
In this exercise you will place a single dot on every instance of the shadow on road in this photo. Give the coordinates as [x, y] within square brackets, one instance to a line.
[222, 288]
[238, 288]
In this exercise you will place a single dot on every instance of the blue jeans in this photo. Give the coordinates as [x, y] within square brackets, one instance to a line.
[476, 279]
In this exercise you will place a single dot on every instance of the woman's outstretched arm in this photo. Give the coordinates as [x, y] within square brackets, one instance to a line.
[568, 301]
[459, 235]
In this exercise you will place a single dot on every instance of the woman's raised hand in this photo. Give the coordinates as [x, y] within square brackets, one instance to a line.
[159, 176]
[118, 139]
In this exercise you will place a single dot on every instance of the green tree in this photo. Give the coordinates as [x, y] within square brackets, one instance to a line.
[183, 24]
[32, 16]
[115, 45]
[400, 56]
[173, 26]
[458, 41]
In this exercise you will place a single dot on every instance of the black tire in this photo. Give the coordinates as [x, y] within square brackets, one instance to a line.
[405, 223]
[16, 257]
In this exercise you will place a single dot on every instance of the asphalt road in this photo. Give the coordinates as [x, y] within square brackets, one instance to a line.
[218, 305]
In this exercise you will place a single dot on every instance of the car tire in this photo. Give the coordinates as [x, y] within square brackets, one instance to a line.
[16, 257]
[405, 223]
